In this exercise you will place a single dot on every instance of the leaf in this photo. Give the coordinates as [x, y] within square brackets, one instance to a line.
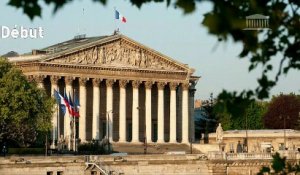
[188, 6]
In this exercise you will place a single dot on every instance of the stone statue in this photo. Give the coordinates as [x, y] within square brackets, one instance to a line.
[239, 148]
[61, 142]
[67, 141]
[219, 134]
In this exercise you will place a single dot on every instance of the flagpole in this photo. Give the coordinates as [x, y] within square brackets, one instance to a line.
[74, 123]
[116, 24]
[57, 121]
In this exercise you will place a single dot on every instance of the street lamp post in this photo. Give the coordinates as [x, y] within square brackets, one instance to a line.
[284, 123]
[284, 129]
[246, 141]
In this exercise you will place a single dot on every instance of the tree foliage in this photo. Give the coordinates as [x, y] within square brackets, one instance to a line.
[280, 166]
[283, 107]
[255, 113]
[25, 109]
[251, 119]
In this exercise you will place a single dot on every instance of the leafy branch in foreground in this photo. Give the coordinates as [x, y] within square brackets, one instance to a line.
[275, 50]
[280, 167]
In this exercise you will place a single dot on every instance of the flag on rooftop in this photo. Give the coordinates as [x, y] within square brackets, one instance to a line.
[120, 17]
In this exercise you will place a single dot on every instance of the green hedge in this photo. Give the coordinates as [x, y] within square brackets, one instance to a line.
[90, 148]
[26, 151]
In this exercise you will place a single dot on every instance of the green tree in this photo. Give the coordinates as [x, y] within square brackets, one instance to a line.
[251, 119]
[226, 121]
[255, 113]
[25, 109]
[283, 109]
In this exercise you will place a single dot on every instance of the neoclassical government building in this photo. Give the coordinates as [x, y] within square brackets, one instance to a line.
[127, 92]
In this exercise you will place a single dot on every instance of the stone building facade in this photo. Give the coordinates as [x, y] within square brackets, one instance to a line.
[127, 91]
[259, 141]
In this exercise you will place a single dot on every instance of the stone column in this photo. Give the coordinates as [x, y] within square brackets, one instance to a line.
[185, 113]
[192, 91]
[173, 134]
[82, 109]
[96, 109]
[68, 117]
[39, 79]
[148, 86]
[55, 123]
[109, 109]
[122, 110]
[160, 113]
[135, 111]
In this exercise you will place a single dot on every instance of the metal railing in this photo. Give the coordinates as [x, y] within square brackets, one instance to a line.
[215, 155]
[105, 169]
[102, 170]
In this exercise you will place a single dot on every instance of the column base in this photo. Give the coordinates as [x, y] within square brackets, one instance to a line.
[82, 141]
[52, 146]
[173, 141]
[135, 141]
[185, 141]
[149, 141]
[122, 141]
[160, 141]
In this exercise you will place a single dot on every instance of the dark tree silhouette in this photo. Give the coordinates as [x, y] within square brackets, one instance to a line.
[283, 107]
[280, 166]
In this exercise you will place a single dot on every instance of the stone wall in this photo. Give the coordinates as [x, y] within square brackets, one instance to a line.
[41, 165]
[131, 164]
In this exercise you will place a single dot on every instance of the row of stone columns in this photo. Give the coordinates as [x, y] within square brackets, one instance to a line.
[122, 110]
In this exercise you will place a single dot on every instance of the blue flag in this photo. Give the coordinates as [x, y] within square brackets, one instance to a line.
[60, 101]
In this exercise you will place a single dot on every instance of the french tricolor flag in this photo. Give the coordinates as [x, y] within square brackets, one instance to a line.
[120, 17]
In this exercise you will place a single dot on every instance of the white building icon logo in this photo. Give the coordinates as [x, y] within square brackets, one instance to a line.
[257, 22]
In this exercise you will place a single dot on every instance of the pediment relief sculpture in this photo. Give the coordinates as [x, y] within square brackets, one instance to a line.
[117, 55]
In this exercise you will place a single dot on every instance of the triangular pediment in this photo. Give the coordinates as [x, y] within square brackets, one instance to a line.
[116, 51]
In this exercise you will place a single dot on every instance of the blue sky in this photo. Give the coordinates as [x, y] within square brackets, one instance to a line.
[166, 30]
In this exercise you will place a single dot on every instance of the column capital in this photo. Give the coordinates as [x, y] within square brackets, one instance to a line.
[96, 82]
[82, 81]
[185, 86]
[148, 84]
[136, 83]
[123, 83]
[161, 85]
[54, 79]
[109, 82]
[30, 78]
[69, 80]
[37, 78]
[173, 85]
[192, 92]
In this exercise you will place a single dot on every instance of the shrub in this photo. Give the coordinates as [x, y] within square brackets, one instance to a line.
[26, 150]
[90, 148]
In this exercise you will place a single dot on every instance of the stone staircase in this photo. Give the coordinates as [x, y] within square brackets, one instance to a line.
[101, 168]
